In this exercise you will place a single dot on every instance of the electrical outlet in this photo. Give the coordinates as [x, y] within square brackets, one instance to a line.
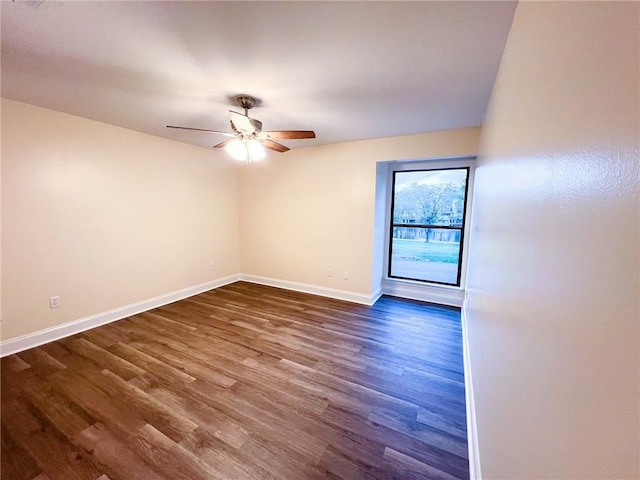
[54, 302]
[211, 265]
[345, 275]
[329, 272]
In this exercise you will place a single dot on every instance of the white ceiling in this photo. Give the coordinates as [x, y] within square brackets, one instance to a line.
[348, 70]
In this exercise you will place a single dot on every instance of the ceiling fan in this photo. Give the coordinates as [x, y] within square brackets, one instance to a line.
[248, 140]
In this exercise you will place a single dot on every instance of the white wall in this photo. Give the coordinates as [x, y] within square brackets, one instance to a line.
[314, 208]
[554, 261]
[105, 217]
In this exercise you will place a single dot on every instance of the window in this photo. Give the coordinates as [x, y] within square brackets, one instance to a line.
[427, 224]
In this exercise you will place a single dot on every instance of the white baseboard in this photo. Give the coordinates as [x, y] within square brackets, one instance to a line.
[41, 337]
[376, 295]
[472, 429]
[24, 342]
[361, 298]
[427, 293]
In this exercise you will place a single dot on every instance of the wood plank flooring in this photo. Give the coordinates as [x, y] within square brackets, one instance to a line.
[243, 382]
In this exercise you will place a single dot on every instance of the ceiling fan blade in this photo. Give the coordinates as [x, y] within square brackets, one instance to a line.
[290, 134]
[274, 146]
[224, 144]
[244, 123]
[201, 130]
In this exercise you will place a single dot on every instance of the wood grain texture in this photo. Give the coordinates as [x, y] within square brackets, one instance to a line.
[243, 382]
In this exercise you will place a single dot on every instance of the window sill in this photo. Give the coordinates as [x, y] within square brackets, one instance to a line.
[426, 292]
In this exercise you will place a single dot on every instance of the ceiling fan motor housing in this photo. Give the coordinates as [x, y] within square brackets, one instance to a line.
[246, 102]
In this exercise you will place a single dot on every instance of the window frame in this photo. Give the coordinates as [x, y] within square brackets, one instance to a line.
[465, 163]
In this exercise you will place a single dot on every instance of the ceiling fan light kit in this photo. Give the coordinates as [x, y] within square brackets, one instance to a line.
[249, 141]
[245, 150]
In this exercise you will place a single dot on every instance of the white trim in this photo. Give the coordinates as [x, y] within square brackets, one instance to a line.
[31, 340]
[361, 298]
[41, 337]
[375, 296]
[452, 296]
[472, 428]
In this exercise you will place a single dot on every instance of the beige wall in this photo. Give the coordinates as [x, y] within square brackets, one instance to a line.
[105, 217]
[313, 208]
[554, 261]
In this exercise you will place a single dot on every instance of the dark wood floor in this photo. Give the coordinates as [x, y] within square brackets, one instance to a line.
[243, 382]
